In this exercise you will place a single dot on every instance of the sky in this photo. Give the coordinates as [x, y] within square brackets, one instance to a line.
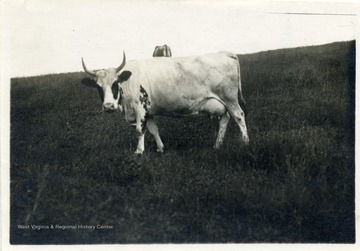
[47, 36]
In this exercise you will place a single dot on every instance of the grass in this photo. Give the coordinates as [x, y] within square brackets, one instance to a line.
[72, 164]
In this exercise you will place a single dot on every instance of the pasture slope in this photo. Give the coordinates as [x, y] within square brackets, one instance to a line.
[72, 164]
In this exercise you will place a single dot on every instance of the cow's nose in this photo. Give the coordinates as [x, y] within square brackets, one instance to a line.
[109, 107]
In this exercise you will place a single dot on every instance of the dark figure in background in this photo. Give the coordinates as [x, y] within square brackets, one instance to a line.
[162, 51]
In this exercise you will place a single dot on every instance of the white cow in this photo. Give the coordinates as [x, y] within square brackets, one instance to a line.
[174, 86]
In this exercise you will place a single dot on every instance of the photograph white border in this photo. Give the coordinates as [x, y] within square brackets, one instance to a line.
[5, 165]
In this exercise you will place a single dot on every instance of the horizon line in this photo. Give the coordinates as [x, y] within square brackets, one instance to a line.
[313, 14]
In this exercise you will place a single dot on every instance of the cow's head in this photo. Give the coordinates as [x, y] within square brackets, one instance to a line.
[108, 81]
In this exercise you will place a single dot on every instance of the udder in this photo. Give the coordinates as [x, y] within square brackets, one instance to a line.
[213, 106]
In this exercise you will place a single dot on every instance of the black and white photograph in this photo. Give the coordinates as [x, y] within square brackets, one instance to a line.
[178, 124]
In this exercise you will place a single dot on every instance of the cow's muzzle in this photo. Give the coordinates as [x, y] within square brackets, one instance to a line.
[109, 107]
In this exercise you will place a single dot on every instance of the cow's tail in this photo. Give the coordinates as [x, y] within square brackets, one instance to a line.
[241, 97]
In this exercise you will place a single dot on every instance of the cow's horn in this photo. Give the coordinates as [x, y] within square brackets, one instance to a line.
[86, 70]
[122, 64]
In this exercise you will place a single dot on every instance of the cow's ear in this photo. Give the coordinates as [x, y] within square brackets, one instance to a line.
[124, 76]
[89, 82]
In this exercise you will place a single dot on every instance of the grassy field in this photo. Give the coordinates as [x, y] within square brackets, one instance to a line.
[72, 164]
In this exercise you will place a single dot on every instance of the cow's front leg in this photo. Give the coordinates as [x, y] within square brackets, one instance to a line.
[153, 129]
[142, 114]
[141, 143]
[140, 131]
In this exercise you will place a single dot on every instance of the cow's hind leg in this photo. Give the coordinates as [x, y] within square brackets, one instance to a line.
[239, 116]
[153, 129]
[223, 123]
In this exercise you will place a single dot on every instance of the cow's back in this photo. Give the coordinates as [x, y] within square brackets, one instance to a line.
[183, 71]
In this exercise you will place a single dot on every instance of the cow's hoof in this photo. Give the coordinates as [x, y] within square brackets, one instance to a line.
[138, 152]
[160, 150]
[246, 141]
[216, 147]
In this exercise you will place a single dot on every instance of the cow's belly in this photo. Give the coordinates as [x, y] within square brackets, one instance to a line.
[191, 107]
